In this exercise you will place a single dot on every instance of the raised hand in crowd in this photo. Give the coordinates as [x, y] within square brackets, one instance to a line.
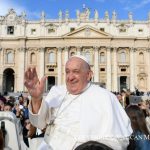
[35, 87]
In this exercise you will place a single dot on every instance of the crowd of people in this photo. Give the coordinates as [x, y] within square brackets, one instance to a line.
[80, 115]
[19, 106]
[139, 114]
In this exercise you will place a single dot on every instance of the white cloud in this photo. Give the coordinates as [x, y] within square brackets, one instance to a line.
[33, 15]
[143, 3]
[137, 5]
[5, 5]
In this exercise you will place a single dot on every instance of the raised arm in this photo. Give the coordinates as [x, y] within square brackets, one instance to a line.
[35, 87]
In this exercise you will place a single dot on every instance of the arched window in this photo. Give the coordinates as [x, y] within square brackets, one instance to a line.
[88, 56]
[51, 58]
[102, 57]
[72, 53]
[10, 57]
[141, 57]
[122, 57]
[142, 81]
[33, 58]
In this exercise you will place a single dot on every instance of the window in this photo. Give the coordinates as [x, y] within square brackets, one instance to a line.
[33, 31]
[10, 57]
[141, 57]
[102, 29]
[102, 69]
[72, 53]
[72, 29]
[123, 70]
[51, 58]
[102, 57]
[10, 30]
[33, 58]
[122, 57]
[87, 54]
[88, 57]
[51, 30]
[51, 69]
[140, 30]
[142, 81]
[122, 30]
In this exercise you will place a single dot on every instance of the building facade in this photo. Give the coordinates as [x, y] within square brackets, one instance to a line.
[118, 50]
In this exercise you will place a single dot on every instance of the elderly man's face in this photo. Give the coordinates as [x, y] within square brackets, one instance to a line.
[77, 75]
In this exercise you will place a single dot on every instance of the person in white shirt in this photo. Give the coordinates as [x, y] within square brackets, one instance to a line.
[78, 111]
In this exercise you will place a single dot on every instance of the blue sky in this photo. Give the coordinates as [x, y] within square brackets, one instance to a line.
[33, 8]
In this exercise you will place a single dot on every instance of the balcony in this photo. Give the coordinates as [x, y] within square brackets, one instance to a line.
[123, 64]
[51, 65]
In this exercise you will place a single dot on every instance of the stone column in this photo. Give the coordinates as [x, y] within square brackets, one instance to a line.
[108, 85]
[148, 70]
[59, 66]
[135, 68]
[1, 71]
[96, 65]
[41, 62]
[115, 83]
[118, 80]
[66, 56]
[1, 57]
[132, 68]
[15, 72]
[21, 68]
[1, 82]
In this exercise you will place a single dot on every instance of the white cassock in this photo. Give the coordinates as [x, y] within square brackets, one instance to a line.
[95, 114]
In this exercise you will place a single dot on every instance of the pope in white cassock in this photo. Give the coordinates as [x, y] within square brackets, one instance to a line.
[78, 112]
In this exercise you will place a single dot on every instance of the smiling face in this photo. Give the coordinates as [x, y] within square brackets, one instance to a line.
[78, 74]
